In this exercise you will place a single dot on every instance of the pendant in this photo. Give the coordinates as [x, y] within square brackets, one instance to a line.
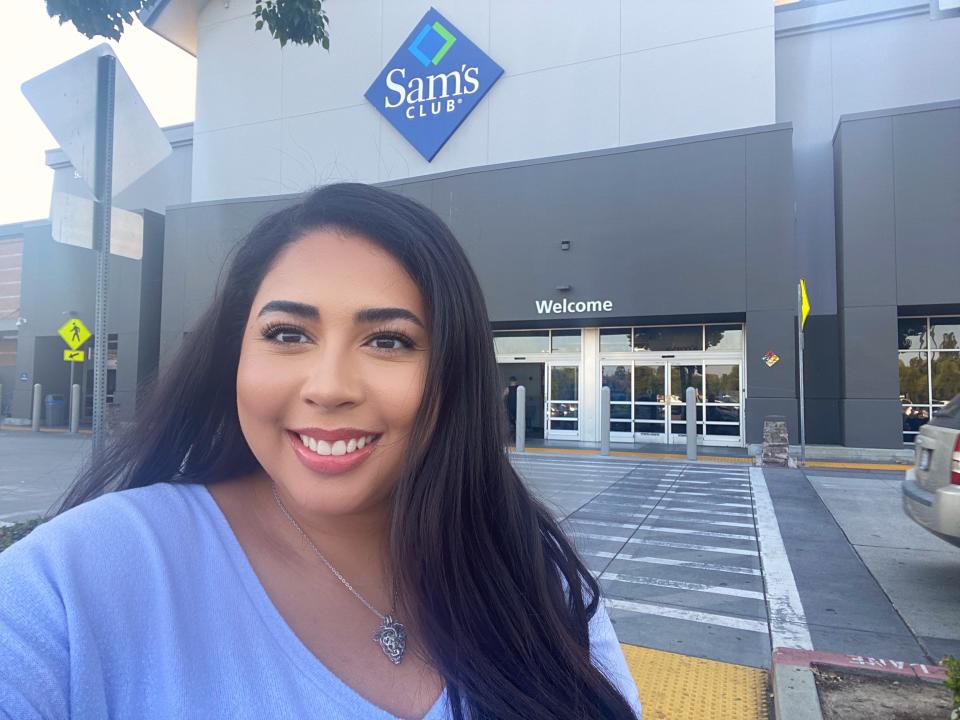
[392, 639]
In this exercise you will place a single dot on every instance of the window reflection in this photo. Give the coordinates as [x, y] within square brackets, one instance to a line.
[945, 333]
[723, 413]
[648, 412]
[521, 342]
[648, 383]
[723, 429]
[565, 341]
[666, 339]
[617, 378]
[928, 379]
[944, 376]
[913, 378]
[724, 338]
[563, 383]
[912, 333]
[682, 377]
[723, 383]
[615, 339]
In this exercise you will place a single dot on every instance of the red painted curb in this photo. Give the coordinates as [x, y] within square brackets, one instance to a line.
[806, 658]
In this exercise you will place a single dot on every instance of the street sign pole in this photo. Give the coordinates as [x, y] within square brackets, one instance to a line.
[106, 82]
[803, 428]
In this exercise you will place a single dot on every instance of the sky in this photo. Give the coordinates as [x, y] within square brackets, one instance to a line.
[31, 42]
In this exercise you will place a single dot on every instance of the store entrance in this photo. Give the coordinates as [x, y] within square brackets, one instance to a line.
[647, 400]
[531, 377]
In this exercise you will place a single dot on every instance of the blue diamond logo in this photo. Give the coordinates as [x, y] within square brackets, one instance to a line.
[432, 83]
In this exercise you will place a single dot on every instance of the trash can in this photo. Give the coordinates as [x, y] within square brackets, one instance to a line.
[54, 411]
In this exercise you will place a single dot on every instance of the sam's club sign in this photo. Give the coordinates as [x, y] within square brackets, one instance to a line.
[432, 83]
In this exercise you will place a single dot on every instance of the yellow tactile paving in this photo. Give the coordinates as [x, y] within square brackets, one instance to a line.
[711, 458]
[677, 687]
[855, 466]
[628, 453]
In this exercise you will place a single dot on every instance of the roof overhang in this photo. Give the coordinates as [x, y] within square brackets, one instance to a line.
[174, 20]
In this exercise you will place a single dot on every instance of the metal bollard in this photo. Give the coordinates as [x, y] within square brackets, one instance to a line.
[1, 406]
[35, 418]
[691, 424]
[75, 408]
[605, 420]
[521, 440]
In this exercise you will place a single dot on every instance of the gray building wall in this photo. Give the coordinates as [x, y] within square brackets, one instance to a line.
[898, 250]
[833, 59]
[694, 228]
[58, 279]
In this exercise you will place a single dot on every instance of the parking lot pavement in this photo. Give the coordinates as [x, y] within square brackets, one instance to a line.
[674, 545]
[918, 572]
[35, 469]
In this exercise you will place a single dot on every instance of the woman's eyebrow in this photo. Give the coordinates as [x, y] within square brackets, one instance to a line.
[373, 315]
[289, 306]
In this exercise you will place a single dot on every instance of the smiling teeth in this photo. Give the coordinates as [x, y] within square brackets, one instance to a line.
[339, 447]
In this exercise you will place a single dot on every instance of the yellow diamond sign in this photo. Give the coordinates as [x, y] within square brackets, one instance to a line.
[74, 355]
[74, 333]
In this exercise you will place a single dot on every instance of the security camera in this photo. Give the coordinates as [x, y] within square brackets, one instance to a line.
[21, 321]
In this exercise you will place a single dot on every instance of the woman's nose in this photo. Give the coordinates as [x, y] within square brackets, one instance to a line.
[332, 378]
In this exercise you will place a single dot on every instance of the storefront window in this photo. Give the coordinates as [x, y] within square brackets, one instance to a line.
[521, 342]
[723, 383]
[912, 333]
[565, 341]
[944, 376]
[668, 339]
[617, 378]
[615, 340]
[724, 338]
[945, 333]
[648, 383]
[928, 380]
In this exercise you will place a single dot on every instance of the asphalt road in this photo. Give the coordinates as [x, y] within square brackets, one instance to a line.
[692, 561]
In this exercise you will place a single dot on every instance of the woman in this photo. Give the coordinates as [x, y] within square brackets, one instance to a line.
[317, 516]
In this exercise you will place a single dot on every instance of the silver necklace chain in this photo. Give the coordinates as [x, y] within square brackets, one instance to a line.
[391, 635]
[341, 578]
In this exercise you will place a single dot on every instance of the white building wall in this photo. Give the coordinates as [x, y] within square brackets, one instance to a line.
[576, 78]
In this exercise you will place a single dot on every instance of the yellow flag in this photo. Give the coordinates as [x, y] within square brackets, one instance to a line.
[804, 303]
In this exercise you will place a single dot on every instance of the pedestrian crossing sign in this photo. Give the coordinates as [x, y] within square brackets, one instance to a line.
[74, 355]
[74, 333]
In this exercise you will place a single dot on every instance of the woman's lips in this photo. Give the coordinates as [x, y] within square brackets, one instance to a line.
[330, 464]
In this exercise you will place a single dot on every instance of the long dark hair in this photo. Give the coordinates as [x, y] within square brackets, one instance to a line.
[480, 563]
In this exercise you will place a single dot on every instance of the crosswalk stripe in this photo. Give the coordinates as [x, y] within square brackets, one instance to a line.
[677, 613]
[676, 563]
[680, 585]
[705, 533]
[669, 544]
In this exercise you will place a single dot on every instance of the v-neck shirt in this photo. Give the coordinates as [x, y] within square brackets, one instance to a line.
[142, 603]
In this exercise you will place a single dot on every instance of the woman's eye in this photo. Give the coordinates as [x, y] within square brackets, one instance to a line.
[389, 342]
[290, 338]
[285, 335]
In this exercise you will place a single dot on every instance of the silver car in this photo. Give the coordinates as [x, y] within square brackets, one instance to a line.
[931, 489]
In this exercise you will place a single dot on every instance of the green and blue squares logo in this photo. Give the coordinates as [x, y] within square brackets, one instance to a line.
[429, 36]
[432, 83]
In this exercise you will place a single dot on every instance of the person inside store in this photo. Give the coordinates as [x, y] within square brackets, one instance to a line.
[510, 401]
[313, 514]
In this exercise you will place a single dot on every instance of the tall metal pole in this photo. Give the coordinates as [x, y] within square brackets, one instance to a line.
[803, 427]
[690, 397]
[605, 420]
[103, 207]
[521, 420]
